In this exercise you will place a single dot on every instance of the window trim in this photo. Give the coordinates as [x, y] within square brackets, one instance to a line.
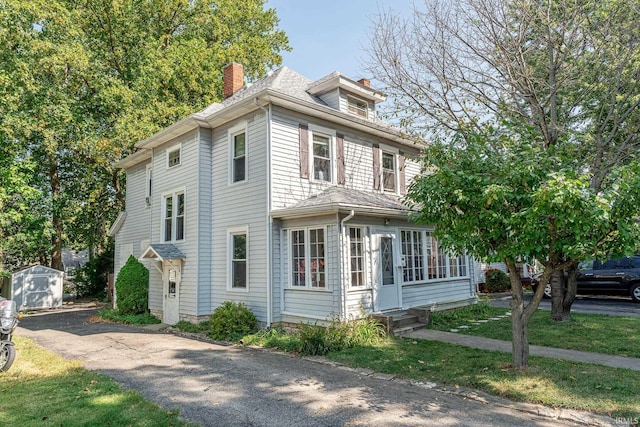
[307, 259]
[357, 99]
[331, 135]
[235, 231]
[231, 133]
[172, 149]
[163, 232]
[148, 183]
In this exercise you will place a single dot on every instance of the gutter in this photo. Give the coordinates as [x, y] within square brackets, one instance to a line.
[343, 291]
[269, 221]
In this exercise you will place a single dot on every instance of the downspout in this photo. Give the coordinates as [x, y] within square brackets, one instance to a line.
[343, 293]
[269, 221]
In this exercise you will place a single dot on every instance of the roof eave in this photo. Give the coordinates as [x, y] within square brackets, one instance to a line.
[309, 211]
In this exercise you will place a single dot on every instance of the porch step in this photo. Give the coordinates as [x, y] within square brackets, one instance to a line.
[398, 332]
[402, 322]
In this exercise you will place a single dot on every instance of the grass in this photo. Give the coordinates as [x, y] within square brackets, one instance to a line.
[42, 389]
[587, 332]
[551, 382]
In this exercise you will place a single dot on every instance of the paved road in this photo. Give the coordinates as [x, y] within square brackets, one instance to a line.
[610, 305]
[216, 385]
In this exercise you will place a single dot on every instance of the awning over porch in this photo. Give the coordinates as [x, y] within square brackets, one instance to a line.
[338, 199]
[162, 252]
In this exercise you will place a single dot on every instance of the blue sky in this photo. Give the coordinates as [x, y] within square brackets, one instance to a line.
[329, 35]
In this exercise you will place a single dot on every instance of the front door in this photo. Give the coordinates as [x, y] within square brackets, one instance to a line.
[171, 301]
[386, 289]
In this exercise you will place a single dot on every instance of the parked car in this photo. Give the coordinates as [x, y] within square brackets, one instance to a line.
[617, 276]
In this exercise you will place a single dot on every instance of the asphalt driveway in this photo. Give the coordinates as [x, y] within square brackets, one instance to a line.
[217, 385]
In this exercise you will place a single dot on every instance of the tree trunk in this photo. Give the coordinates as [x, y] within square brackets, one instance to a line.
[570, 294]
[56, 217]
[519, 320]
[557, 294]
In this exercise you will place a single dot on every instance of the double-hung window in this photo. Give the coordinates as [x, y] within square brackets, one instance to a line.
[356, 256]
[238, 153]
[321, 157]
[238, 258]
[388, 172]
[174, 211]
[308, 265]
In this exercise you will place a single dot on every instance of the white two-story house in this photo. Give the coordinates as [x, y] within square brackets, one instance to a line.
[286, 196]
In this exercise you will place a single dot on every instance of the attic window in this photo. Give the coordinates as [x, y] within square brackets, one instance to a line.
[173, 156]
[357, 106]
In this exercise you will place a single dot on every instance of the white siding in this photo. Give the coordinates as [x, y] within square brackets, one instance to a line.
[443, 292]
[237, 205]
[205, 198]
[332, 98]
[178, 178]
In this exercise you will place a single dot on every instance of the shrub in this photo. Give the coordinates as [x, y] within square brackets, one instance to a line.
[338, 335]
[91, 279]
[132, 288]
[496, 280]
[231, 321]
[131, 319]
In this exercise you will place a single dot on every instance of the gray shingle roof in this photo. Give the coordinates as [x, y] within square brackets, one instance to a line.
[336, 198]
[163, 251]
[283, 80]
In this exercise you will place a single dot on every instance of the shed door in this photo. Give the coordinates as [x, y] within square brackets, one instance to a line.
[37, 291]
[386, 289]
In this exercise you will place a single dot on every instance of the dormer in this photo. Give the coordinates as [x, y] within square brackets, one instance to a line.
[347, 95]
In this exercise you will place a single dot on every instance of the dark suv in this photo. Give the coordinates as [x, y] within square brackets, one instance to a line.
[618, 276]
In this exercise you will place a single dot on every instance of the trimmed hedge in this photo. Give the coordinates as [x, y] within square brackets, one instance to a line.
[132, 288]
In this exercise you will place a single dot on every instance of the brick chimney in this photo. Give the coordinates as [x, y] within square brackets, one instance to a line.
[365, 82]
[233, 79]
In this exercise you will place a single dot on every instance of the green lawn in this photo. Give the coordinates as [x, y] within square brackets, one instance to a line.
[588, 332]
[42, 389]
[555, 383]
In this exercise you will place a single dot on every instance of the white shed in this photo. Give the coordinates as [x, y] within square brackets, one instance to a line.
[37, 287]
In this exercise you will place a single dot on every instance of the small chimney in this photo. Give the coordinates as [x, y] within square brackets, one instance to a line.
[233, 79]
[365, 82]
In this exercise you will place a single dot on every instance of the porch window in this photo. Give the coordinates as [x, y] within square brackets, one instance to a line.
[413, 269]
[308, 265]
[356, 256]
[174, 211]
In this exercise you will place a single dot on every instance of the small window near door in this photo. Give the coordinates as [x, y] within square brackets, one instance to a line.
[239, 260]
[356, 256]
[173, 283]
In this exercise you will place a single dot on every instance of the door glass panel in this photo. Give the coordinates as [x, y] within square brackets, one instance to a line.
[173, 279]
[386, 257]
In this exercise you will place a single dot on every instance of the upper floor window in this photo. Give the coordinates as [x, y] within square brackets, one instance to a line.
[173, 156]
[388, 172]
[321, 157]
[238, 150]
[357, 106]
[308, 258]
[174, 210]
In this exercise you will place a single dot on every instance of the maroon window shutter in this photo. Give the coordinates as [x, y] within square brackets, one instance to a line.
[304, 151]
[340, 158]
[376, 167]
[403, 183]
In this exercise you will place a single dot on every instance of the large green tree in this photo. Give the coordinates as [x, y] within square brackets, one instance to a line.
[83, 81]
[530, 109]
